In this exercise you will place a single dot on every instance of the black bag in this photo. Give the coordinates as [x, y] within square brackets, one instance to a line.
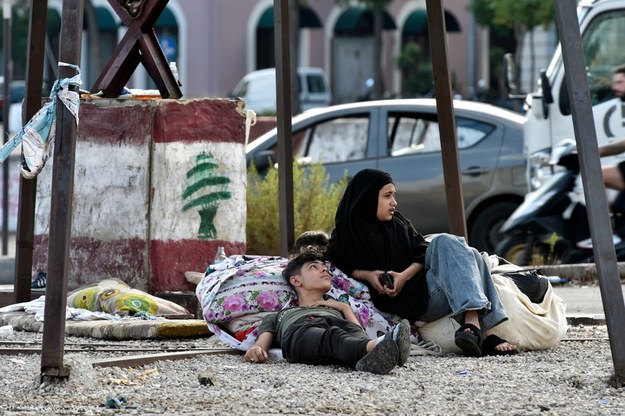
[531, 282]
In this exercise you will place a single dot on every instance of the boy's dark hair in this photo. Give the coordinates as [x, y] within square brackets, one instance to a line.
[294, 266]
[310, 239]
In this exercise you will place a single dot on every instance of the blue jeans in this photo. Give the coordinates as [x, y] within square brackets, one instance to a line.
[458, 280]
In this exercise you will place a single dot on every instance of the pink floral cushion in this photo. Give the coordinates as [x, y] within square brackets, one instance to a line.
[238, 296]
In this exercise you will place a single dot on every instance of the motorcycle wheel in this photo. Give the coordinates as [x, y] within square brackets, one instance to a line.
[484, 231]
[514, 249]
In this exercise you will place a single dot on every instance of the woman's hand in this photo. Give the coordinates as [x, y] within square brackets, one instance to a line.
[373, 278]
[399, 280]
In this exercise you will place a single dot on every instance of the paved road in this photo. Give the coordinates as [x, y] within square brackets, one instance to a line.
[582, 299]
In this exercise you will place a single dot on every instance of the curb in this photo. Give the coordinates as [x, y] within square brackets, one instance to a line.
[588, 319]
[577, 273]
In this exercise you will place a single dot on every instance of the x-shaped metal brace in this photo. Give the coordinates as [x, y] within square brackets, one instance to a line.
[139, 45]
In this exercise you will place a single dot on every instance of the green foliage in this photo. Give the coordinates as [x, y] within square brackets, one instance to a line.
[418, 79]
[526, 14]
[315, 203]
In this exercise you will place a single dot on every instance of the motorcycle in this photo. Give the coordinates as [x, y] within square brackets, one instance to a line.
[551, 225]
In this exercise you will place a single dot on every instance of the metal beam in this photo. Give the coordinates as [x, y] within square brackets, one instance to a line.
[139, 360]
[594, 191]
[6, 43]
[61, 201]
[28, 187]
[139, 45]
[446, 118]
[284, 112]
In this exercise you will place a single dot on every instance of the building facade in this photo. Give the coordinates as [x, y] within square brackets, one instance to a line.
[216, 42]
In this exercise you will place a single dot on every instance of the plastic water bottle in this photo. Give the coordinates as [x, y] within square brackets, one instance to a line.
[556, 280]
[220, 256]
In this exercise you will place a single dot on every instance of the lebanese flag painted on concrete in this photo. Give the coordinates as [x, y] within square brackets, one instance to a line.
[158, 186]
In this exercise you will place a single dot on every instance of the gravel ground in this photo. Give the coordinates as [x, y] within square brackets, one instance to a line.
[572, 378]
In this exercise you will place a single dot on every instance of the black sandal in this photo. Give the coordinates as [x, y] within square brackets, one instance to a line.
[490, 344]
[469, 342]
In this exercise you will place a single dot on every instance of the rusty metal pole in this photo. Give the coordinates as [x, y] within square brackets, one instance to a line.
[446, 118]
[592, 179]
[285, 153]
[28, 187]
[6, 33]
[61, 201]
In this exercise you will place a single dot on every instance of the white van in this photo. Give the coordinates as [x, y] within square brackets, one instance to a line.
[548, 119]
[258, 89]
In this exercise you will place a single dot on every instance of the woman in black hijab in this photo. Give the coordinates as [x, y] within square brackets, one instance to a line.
[409, 276]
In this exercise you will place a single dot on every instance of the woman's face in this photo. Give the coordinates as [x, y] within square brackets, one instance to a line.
[386, 202]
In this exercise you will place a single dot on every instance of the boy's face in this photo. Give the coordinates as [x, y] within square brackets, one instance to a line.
[314, 275]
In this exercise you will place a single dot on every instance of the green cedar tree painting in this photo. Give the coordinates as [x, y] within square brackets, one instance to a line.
[206, 188]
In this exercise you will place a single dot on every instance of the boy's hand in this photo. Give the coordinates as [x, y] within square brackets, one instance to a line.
[342, 307]
[255, 354]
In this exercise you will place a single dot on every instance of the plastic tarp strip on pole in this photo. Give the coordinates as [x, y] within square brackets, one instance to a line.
[37, 136]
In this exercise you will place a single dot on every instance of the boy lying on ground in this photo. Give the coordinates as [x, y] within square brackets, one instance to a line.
[322, 330]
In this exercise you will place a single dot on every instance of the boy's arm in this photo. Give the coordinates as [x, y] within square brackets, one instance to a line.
[257, 353]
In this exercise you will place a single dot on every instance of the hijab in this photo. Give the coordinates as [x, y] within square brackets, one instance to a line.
[361, 241]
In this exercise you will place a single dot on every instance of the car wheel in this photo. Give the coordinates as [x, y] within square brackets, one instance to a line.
[484, 231]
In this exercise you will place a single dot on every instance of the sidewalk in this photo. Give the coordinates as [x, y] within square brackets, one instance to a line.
[583, 304]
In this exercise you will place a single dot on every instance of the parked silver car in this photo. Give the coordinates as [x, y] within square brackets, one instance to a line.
[402, 138]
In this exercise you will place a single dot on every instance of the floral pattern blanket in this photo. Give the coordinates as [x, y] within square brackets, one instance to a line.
[244, 289]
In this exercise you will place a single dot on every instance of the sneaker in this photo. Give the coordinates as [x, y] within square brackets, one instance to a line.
[401, 336]
[382, 359]
[40, 281]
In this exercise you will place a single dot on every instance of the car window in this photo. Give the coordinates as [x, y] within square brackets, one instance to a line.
[336, 140]
[409, 133]
[315, 84]
[603, 52]
[240, 90]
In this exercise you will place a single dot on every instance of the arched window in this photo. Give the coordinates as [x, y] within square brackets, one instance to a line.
[265, 47]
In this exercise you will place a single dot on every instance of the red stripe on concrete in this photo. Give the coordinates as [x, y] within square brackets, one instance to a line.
[198, 120]
[115, 123]
[171, 259]
[93, 260]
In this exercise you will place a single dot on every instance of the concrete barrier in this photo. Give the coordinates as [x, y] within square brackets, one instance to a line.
[158, 186]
